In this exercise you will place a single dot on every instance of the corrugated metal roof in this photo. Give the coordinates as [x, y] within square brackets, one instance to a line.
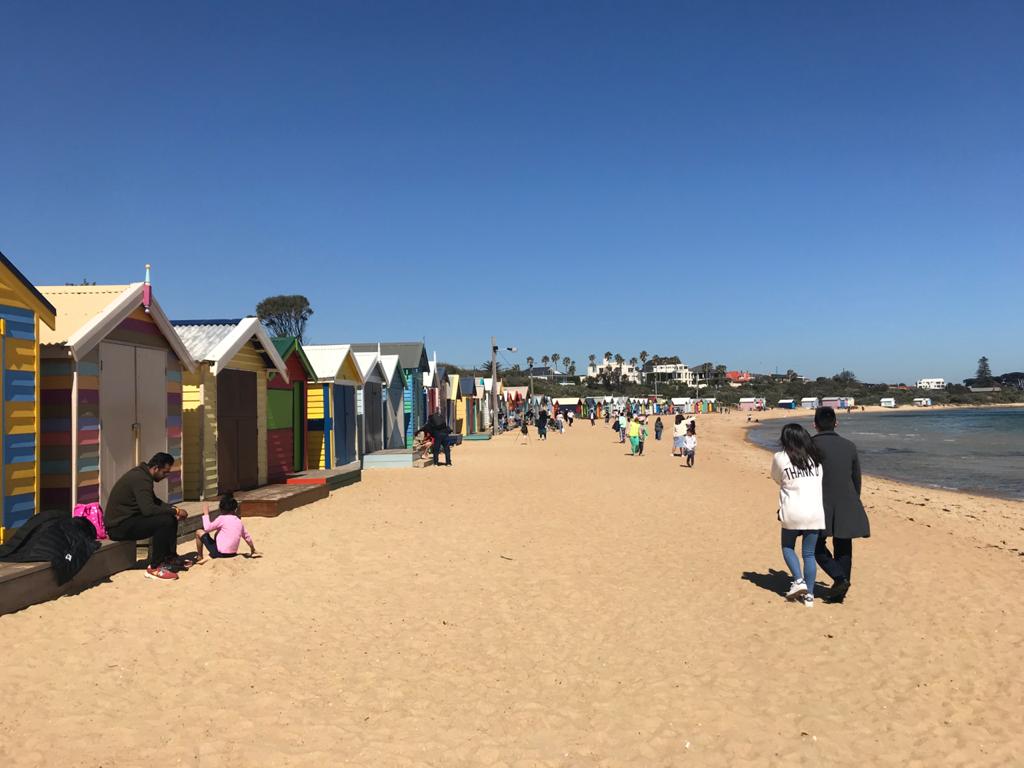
[413, 354]
[327, 359]
[201, 337]
[76, 305]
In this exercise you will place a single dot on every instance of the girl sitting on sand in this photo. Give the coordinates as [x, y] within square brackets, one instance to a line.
[221, 536]
[797, 470]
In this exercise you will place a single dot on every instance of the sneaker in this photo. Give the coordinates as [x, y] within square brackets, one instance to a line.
[838, 592]
[160, 573]
[808, 601]
[796, 590]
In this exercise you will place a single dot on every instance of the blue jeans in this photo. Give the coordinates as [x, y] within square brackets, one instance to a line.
[810, 539]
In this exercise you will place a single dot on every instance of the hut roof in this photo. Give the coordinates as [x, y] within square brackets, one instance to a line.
[412, 354]
[89, 313]
[334, 362]
[392, 365]
[44, 308]
[370, 368]
[218, 341]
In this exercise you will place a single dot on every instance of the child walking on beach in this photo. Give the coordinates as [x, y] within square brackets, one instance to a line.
[643, 436]
[634, 435]
[222, 535]
[798, 471]
[690, 445]
[678, 433]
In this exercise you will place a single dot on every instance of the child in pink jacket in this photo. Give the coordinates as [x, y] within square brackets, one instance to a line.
[222, 535]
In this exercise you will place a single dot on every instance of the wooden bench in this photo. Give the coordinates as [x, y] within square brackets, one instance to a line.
[25, 584]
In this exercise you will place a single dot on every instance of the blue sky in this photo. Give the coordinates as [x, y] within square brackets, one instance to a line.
[814, 186]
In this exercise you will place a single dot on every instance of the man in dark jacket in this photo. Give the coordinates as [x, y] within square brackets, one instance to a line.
[439, 430]
[845, 518]
[134, 513]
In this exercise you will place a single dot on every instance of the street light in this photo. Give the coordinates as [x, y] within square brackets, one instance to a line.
[494, 384]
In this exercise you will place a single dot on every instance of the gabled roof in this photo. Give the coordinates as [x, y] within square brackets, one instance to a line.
[334, 362]
[370, 368]
[412, 354]
[453, 386]
[392, 367]
[218, 341]
[31, 294]
[286, 345]
[89, 313]
[467, 386]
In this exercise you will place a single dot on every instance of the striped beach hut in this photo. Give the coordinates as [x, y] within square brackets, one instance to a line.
[331, 406]
[22, 310]
[225, 405]
[111, 391]
[286, 412]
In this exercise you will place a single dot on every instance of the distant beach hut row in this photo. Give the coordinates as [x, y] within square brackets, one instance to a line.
[97, 378]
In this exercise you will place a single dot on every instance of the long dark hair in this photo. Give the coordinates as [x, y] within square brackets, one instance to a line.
[228, 504]
[798, 445]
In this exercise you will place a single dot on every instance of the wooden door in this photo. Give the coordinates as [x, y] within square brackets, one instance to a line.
[298, 424]
[237, 431]
[117, 414]
[151, 406]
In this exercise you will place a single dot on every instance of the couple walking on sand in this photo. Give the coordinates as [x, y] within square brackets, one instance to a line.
[819, 497]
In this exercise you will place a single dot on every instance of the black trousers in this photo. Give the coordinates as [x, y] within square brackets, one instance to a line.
[441, 444]
[840, 565]
[162, 527]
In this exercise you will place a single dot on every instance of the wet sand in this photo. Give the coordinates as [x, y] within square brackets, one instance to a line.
[553, 603]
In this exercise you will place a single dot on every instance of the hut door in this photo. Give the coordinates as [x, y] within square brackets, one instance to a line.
[151, 406]
[237, 433]
[117, 415]
[298, 420]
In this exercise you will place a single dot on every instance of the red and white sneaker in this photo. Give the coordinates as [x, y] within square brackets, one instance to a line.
[160, 573]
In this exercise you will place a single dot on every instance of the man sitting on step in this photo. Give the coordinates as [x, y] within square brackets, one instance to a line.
[134, 513]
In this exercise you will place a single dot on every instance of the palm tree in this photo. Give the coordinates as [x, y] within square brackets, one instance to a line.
[607, 356]
[555, 357]
[572, 368]
[545, 360]
[592, 358]
[529, 363]
[643, 357]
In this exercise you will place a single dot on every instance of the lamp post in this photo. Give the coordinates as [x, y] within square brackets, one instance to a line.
[494, 384]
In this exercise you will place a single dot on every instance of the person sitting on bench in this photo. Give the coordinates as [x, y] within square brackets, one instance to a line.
[134, 513]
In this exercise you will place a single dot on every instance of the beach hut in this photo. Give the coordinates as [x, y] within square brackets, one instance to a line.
[682, 405]
[809, 402]
[110, 391]
[331, 406]
[413, 358]
[832, 402]
[370, 402]
[569, 403]
[225, 405]
[286, 412]
[394, 398]
[467, 405]
[752, 404]
[23, 309]
[922, 402]
[787, 403]
[888, 402]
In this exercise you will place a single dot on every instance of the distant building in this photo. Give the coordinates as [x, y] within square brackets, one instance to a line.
[676, 373]
[931, 384]
[738, 377]
[607, 365]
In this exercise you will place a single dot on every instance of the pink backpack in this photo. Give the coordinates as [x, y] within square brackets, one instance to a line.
[94, 514]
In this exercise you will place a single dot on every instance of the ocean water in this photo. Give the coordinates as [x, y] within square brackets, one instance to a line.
[975, 450]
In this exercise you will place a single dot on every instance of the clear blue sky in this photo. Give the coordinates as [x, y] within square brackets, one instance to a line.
[805, 185]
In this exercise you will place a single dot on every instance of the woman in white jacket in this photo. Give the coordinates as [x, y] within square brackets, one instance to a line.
[798, 471]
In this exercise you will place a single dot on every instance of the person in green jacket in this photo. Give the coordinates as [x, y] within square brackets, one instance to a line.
[134, 513]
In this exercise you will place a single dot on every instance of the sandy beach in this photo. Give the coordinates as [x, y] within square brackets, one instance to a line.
[549, 604]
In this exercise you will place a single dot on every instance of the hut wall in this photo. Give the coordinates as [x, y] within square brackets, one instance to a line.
[316, 457]
[175, 487]
[20, 378]
[199, 420]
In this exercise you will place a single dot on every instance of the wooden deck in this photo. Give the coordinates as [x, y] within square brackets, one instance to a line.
[392, 458]
[272, 500]
[25, 584]
[335, 478]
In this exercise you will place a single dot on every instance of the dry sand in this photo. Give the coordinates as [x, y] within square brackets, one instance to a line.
[554, 603]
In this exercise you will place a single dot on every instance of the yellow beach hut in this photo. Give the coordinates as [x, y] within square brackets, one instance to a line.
[225, 405]
[331, 406]
[110, 391]
[22, 309]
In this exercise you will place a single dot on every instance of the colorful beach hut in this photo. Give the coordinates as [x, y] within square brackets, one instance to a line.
[111, 391]
[287, 430]
[394, 402]
[23, 309]
[225, 405]
[787, 403]
[331, 406]
[413, 358]
[370, 402]
[809, 402]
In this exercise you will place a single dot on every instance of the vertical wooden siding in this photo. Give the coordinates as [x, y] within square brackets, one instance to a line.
[88, 429]
[199, 433]
[315, 414]
[249, 358]
[175, 489]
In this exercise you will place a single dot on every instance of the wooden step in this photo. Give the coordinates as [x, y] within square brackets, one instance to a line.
[335, 478]
[25, 584]
[272, 500]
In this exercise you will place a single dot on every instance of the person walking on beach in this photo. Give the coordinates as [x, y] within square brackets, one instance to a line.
[798, 471]
[542, 425]
[593, 417]
[634, 435]
[845, 517]
[623, 426]
[678, 433]
[690, 445]
[659, 427]
[643, 436]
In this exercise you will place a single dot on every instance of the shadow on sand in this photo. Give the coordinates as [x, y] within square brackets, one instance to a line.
[777, 581]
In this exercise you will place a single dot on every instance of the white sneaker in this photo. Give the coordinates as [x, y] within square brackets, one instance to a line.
[796, 590]
[808, 601]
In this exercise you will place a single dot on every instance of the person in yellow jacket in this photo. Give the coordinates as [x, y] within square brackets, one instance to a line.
[634, 435]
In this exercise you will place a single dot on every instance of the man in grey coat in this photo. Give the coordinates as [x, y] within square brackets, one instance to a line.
[845, 518]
